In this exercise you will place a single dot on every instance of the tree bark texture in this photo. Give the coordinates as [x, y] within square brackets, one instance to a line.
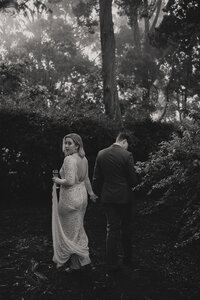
[146, 27]
[158, 8]
[110, 94]
[136, 30]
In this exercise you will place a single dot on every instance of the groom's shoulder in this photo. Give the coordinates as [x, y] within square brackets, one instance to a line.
[104, 151]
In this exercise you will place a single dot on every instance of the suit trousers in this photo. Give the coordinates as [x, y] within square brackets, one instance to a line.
[118, 229]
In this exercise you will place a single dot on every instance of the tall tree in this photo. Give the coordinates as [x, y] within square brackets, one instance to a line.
[138, 56]
[84, 10]
[110, 93]
[178, 36]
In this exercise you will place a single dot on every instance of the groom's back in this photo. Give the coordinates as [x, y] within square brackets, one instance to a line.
[113, 163]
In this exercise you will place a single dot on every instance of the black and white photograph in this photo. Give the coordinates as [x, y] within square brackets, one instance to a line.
[100, 149]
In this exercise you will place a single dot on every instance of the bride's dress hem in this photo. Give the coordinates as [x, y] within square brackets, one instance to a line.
[72, 267]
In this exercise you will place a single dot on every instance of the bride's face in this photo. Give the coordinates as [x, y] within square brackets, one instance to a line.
[70, 146]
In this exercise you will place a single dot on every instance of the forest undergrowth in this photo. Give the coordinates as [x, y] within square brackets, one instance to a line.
[160, 270]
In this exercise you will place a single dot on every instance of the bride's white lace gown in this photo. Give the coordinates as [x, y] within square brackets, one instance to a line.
[70, 242]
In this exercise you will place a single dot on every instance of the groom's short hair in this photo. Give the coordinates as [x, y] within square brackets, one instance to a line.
[124, 135]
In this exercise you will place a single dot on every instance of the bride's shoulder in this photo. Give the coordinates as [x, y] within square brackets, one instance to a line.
[69, 159]
[84, 160]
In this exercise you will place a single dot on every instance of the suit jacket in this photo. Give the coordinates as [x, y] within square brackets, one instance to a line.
[114, 175]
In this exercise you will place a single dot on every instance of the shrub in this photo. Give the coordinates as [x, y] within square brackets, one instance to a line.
[171, 181]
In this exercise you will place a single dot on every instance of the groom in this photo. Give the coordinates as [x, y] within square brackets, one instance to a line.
[113, 179]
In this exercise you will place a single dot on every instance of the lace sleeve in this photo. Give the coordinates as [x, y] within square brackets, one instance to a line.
[69, 170]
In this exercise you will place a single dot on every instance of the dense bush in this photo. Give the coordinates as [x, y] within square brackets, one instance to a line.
[30, 147]
[171, 181]
[147, 136]
[30, 150]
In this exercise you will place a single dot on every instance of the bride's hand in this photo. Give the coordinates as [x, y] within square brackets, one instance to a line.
[93, 197]
[55, 179]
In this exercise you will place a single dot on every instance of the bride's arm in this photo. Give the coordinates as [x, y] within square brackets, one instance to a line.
[69, 172]
[89, 186]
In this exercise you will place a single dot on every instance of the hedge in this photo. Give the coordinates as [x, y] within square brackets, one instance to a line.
[30, 148]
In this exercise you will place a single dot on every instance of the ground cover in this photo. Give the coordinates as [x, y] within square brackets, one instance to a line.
[160, 271]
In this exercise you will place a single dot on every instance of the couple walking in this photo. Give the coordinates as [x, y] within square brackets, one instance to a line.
[113, 179]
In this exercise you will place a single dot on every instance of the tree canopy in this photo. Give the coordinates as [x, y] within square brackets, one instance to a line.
[148, 68]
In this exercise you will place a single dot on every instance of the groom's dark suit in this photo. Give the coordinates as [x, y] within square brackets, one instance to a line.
[114, 176]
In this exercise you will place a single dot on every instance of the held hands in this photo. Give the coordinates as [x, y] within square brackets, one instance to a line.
[93, 197]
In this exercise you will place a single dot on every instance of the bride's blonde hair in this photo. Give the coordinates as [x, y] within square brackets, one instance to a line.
[77, 141]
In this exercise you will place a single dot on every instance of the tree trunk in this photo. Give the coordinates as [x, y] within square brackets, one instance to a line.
[146, 27]
[135, 28]
[184, 103]
[110, 94]
[162, 88]
[158, 8]
[179, 106]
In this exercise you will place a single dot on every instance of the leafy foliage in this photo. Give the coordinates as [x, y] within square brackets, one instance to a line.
[46, 54]
[171, 180]
[131, 82]
[84, 12]
[17, 6]
[178, 37]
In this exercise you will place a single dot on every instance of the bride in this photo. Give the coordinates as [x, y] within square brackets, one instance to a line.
[70, 242]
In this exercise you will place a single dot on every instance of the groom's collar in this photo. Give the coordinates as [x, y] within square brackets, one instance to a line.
[116, 144]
